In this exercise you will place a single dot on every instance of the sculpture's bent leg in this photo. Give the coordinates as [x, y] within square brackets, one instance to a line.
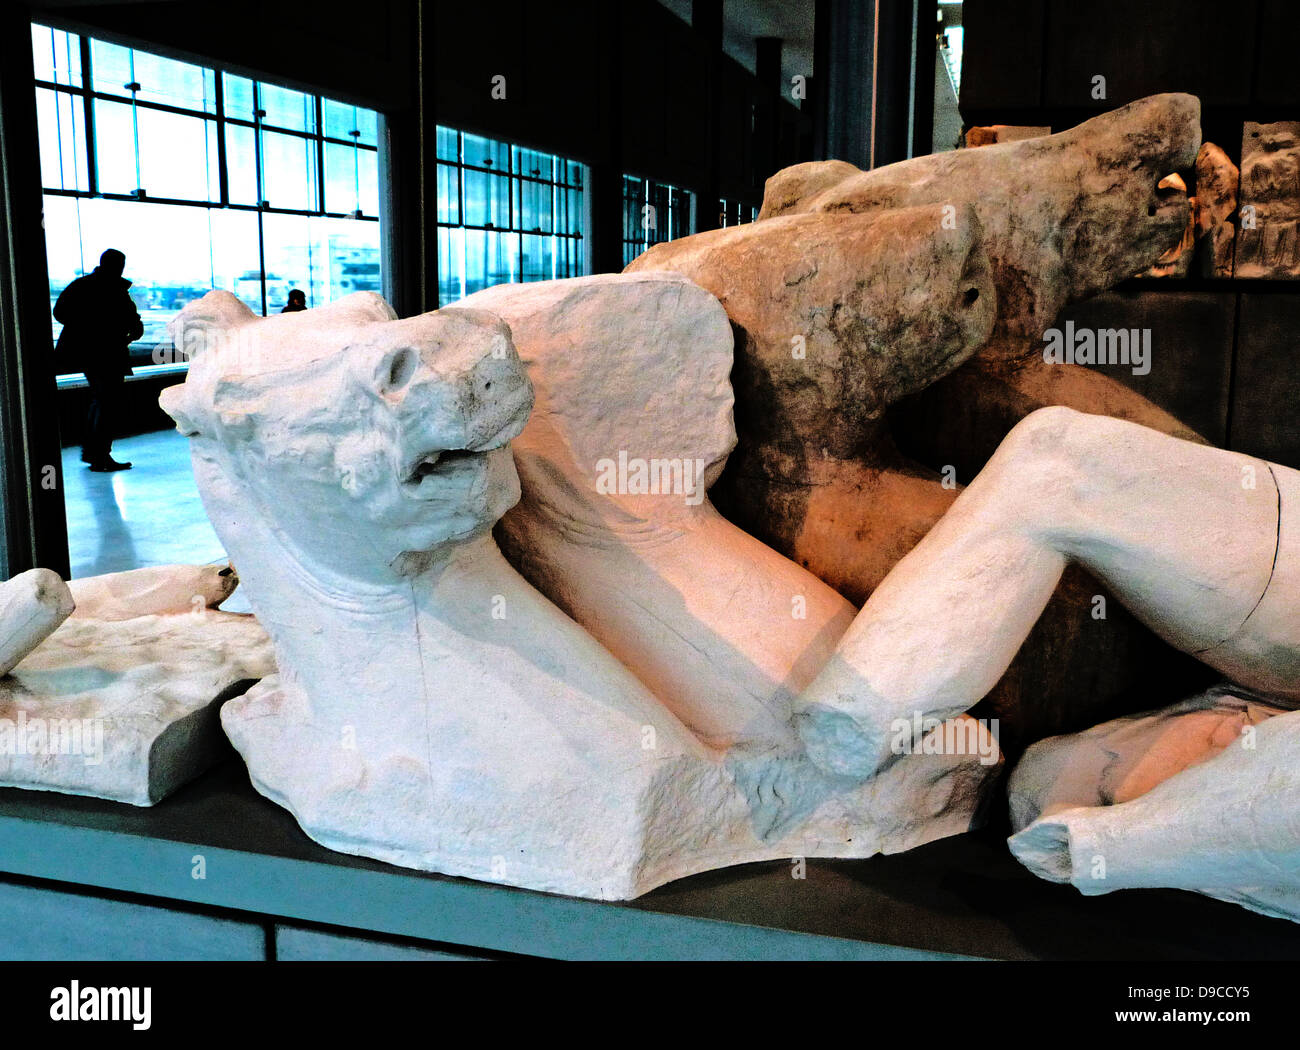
[1201, 544]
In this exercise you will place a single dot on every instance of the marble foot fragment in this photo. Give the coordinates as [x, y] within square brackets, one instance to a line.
[1199, 796]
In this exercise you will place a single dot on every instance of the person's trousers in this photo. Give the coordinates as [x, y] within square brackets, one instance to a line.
[101, 415]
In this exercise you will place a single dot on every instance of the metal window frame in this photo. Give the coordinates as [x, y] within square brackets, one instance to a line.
[575, 255]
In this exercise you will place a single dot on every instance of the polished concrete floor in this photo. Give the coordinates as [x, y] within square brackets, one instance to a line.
[148, 515]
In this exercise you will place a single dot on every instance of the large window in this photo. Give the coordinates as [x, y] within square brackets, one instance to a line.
[733, 213]
[505, 214]
[654, 212]
[203, 178]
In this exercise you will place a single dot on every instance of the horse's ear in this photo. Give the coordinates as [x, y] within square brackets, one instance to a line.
[206, 321]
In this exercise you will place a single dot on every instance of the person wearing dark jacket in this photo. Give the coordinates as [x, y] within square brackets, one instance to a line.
[100, 322]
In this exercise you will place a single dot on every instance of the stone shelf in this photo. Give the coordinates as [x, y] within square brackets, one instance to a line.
[963, 897]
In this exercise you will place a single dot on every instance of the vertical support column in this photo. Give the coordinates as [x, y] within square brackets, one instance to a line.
[706, 21]
[409, 181]
[767, 128]
[606, 184]
[863, 61]
[34, 519]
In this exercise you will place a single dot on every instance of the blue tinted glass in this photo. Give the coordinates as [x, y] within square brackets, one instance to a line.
[61, 128]
[531, 163]
[341, 120]
[351, 180]
[486, 153]
[448, 144]
[537, 261]
[533, 206]
[487, 199]
[241, 165]
[283, 108]
[451, 264]
[56, 56]
[448, 193]
[161, 80]
[238, 96]
[289, 171]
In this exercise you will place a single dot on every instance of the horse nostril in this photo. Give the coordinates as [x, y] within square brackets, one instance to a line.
[401, 368]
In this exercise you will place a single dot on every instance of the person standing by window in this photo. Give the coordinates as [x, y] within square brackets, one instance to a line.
[100, 321]
[297, 301]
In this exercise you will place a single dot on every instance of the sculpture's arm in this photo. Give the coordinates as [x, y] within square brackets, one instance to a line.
[1200, 544]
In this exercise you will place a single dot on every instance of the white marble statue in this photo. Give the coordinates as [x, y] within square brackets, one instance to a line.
[435, 710]
[115, 698]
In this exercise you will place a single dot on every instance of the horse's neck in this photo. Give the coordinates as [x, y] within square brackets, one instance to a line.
[340, 641]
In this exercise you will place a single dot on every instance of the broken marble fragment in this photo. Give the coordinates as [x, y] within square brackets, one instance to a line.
[126, 709]
[32, 605]
[154, 589]
[1200, 796]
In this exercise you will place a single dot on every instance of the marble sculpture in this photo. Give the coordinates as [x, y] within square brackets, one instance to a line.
[112, 682]
[432, 708]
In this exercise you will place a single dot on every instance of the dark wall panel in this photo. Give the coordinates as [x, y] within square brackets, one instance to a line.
[1267, 389]
[1002, 59]
[1145, 48]
[1191, 350]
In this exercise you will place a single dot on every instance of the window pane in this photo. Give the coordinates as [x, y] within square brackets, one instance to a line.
[486, 153]
[235, 256]
[289, 171]
[448, 144]
[490, 259]
[538, 259]
[284, 108]
[241, 165]
[530, 162]
[448, 193]
[56, 56]
[341, 120]
[351, 180]
[451, 265]
[162, 80]
[487, 199]
[533, 206]
[238, 98]
[115, 148]
[178, 156]
[61, 126]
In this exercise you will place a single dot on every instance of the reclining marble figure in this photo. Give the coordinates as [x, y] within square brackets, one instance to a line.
[841, 297]
[432, 708]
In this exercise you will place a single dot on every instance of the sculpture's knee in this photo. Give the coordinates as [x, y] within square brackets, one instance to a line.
[1044, 467]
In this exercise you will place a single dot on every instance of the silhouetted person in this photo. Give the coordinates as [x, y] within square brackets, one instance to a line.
[297, 301]
[100, 322]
